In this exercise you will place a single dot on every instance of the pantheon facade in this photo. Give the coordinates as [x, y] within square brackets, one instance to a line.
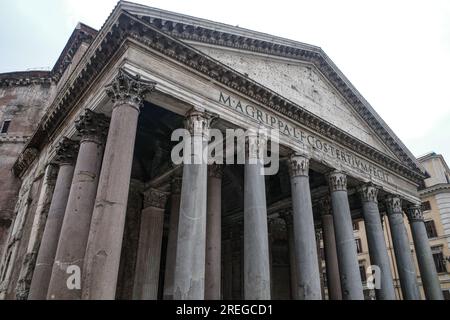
[93, 207]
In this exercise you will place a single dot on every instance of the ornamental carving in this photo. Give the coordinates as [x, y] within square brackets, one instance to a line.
[325, 206]
[175, 185]
[92, 125]
[337, 181]
[414, 213]
[298, 166]
[128, 88]
[368, 193]
[155, 199]
[66, 151]
[198, 123]
[215, 170]
[393, 205]
[255, 145]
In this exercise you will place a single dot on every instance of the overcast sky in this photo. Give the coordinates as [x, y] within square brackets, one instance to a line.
[396, 53]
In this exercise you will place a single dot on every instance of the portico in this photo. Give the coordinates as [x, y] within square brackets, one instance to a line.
[218, 230]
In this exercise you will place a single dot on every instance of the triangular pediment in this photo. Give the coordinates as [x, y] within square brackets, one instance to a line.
[302, 84]
[310, 79]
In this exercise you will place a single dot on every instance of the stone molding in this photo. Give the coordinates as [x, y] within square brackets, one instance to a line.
[414, 213]
[92, 125]
[155, 199]
[368, 193]
[337, 181]
[298, 166]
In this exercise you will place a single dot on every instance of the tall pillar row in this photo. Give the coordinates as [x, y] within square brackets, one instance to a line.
[189, 281]
[146, 281]
[66, 153]
[424, 256]
[351, 284]
[306, 259]
[169, 272]
[213, 233]
[377, 245]
[402, 249]
[102, 257]
[330, 250]
[77, 218]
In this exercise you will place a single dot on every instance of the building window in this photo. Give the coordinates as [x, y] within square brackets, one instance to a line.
[358, 245]
[426, 206]
[5, 126]
[439, 260]
[431, 229]
[362, 271]
[355, 225]
[446, 294]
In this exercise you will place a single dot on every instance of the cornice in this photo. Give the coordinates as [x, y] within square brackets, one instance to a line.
[439, 188]
[124, 25]
[26, 78]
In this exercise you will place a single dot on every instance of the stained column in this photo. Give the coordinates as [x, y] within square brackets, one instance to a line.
[351, 284]
[213, 233]
[402, 249]
[330, 250]
[306, 261]
[169, 272]
[77, 218]
[376, 242]
[148, 260]
[108, 219]
[292, 267]
[191, 243]
[66, 152]
[424, 256]
[256, 246]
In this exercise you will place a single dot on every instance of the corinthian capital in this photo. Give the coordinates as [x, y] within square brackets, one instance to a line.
[255, 145]
[337, 181]
[128, 88]
[198, 123]
[66, 151]
[393, 205]
[215, 170]
[414, 213]
[92, 125]
[298, 165]
[368, 193]
[155, 198]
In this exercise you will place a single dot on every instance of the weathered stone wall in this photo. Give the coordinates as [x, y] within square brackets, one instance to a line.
[24, 106]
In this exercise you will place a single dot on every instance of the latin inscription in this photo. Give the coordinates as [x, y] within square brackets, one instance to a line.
[303, 137]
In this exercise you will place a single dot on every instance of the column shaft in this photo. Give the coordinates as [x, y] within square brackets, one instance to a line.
[308, 276]
[191, 244]
[376, 242]
[148, 260]
[256, 246]
[424, 256]
[402, 250]
[292, 265]
[351, 284]
[169, 272]
[66, 152]
[77, 218]
[213, 234]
